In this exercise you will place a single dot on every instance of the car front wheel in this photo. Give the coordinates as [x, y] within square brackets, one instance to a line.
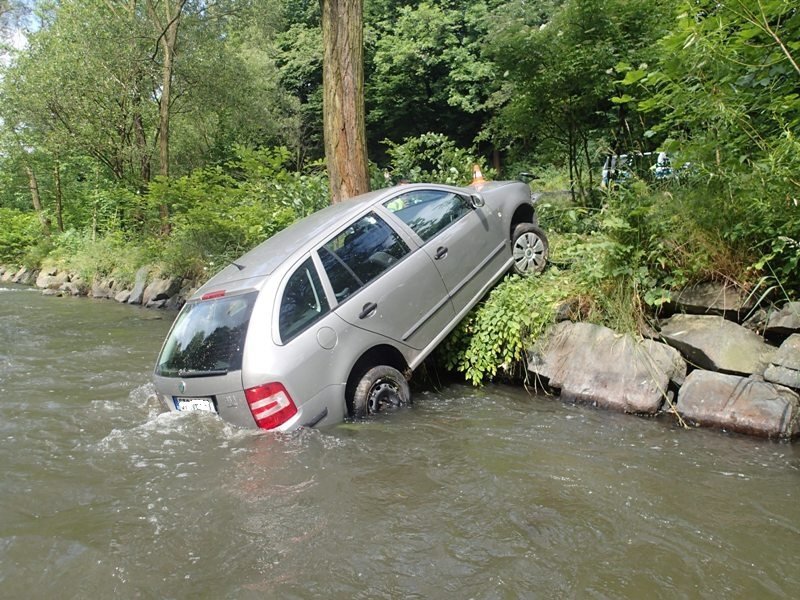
[529, 248]
[380, 388]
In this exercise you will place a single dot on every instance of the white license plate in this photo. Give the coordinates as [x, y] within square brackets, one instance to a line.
[190, 404]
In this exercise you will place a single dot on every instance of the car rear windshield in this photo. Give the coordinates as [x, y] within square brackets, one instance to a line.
[207, 338]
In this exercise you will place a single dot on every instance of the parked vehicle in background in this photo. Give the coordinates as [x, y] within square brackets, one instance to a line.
[328, 318]
[621, 169]
[662, 169]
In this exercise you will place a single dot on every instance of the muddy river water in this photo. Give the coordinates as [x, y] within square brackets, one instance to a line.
[470, 493]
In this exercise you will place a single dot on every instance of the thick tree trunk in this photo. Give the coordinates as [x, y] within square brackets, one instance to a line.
[36, 199]
[343, 98]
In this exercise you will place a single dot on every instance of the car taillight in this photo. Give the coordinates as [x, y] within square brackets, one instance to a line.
[270, 404]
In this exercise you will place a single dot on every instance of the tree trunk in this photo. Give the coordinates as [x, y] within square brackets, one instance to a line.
[167, 30]
[343, 98]
[36, 199]
[168, 37]
[163, 122]
[571, 155]
[59, 196]
[167, 46]
[141, 145]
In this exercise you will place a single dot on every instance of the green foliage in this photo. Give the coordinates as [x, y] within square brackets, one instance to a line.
[217, 214]
[19, 230]
[425, 70]
[493, 337]
[727, 87]
[89, 256]
[558, 79]
[431, 157]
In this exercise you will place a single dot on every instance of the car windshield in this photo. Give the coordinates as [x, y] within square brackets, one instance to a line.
[207, 338]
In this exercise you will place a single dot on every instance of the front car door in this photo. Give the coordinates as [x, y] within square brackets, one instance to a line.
[465, 243]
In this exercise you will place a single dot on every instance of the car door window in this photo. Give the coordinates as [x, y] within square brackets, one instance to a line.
[360, 253]
[428, 212]
[303, 301]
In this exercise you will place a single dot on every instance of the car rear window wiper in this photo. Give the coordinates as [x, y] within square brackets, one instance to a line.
[211, 373]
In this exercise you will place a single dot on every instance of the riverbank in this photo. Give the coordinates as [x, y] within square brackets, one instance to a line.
[149, 288]
[715, 360]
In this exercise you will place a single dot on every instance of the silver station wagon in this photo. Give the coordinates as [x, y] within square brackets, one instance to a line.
[329, 318]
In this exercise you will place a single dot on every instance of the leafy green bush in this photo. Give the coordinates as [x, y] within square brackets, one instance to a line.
[19, 232]
[431, 157]
[218, 213]
[89, 255]
[493, 337]
[725, 89]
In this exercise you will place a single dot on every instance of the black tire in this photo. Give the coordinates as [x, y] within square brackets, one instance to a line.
[530, 248]
[379, 388]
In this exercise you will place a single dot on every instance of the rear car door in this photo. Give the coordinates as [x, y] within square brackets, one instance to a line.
[383, 286]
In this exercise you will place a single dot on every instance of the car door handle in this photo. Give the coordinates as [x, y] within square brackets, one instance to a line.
[367, 310]
[441, 252]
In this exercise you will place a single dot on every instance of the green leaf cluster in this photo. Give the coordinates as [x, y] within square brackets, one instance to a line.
[492, 339]
[431, 157]
[216, 214]
[727, 92]
[19, 230]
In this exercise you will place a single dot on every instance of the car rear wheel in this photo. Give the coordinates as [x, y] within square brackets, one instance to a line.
[529, 247]
[380, 388]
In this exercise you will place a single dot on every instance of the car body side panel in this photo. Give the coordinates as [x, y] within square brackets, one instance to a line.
[314, 365]
[327, 407]
[471, 258]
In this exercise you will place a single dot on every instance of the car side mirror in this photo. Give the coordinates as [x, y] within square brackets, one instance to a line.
[527, 177]
[476, 200]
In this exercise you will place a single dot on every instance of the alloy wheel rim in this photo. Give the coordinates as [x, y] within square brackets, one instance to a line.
[529, 252]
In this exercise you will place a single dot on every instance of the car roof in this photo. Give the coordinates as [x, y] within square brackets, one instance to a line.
[304, 233]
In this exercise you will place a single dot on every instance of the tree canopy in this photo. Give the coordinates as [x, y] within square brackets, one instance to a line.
[109, 104]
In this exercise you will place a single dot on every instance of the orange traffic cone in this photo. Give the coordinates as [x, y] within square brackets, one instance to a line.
[477, 176]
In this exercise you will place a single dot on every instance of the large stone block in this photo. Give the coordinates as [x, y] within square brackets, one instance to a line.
[160, 289]
[739, 404]
[784, 367]
[137, 293]
[24, 276]
[713, 298]
[716, 344]
[593, 364]
[785, 321]
[103, 288]
[52, 279]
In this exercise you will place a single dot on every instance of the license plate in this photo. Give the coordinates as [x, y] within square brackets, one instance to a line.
[191, 404]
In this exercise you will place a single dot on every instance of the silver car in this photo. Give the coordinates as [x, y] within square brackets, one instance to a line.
[329, 318]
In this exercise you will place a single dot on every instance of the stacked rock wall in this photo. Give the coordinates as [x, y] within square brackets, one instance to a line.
[738, 380]
[148, 290]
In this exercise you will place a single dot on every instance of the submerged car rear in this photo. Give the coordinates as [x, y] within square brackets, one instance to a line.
[200, 365]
